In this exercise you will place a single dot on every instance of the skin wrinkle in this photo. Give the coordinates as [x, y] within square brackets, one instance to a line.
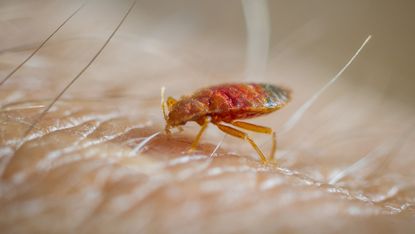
[359, 197]
[100, 201]
[92, 143]
[134, 199]
[330, 188]
[90, 126]
[76, 146]
[180, 178]
[297, 174]
[88, 189]
[17, 121]
[110, 138]
[73, 122]
[50, 130]
[292, 173]
[335, 190]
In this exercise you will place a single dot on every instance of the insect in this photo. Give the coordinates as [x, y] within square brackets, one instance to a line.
[224, 105]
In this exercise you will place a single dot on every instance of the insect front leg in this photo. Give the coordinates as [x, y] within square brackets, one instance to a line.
[237, 133]
[260, 129]
[199, 134]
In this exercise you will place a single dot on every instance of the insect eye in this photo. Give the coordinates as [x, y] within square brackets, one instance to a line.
[170, 102]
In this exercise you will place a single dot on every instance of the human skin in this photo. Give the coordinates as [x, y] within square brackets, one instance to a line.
[95, 162]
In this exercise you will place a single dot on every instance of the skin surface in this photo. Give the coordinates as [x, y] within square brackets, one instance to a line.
[98, 161]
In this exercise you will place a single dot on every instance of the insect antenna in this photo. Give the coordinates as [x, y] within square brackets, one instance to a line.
[41, 45]
[163, 103]
[163, 108]
[80, 73]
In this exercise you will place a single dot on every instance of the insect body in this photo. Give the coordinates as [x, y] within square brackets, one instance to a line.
[224, 105]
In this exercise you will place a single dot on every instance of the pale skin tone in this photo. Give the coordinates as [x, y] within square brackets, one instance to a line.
[148, 189]
[95, 164]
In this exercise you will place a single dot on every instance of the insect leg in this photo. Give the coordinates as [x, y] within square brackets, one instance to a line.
[252, 127]
[260, 129]
[273, 147]
[236, 133]
[199, 135]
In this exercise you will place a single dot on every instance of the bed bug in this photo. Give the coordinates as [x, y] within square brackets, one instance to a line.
[224, 106]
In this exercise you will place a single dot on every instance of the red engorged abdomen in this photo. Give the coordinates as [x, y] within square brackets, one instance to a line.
[233, 101]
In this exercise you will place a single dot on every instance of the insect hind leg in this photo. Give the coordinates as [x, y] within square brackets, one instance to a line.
[260, 129]
[252, 127]
[237, 133]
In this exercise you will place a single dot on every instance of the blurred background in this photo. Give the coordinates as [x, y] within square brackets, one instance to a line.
[185, 45]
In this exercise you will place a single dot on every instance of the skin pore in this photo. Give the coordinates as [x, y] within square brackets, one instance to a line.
[95, 162]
